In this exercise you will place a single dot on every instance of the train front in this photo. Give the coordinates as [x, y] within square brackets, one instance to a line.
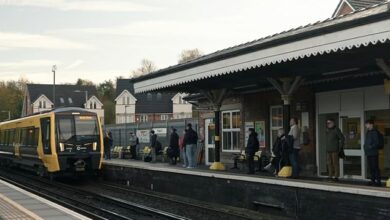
[79, 142]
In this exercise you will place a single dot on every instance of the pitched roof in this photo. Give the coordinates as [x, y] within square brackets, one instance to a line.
[360, 4]
[65, 94]
[146, 102]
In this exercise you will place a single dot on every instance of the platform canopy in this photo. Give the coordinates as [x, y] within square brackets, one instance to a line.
[344, 46]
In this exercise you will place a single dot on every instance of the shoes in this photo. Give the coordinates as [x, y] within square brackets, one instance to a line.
[370, 183]
[335, 179]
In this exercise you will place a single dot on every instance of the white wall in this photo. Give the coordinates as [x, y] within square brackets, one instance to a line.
[125, 107]
[43, 99]
[181, 108]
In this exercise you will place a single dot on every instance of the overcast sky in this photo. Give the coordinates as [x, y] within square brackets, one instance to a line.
[102, 39]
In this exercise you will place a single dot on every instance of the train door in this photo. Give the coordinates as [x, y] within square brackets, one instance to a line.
[46, 137]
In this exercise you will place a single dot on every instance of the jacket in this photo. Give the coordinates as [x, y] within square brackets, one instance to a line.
[371, 143]
[133, 141]
[174, 141]
[252, 145]
[334, 140]
[190, 137]
[153, 141]
[296, 133]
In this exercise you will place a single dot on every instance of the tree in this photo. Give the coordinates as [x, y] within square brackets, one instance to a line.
[187, 55]
[147, 66]
[11, 98]
[106, 93]
[84, 82]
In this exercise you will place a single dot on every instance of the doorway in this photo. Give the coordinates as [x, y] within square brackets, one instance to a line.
[354, 163]
[209, 140]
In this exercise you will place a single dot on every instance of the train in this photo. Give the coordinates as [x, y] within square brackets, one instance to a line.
[61, 141]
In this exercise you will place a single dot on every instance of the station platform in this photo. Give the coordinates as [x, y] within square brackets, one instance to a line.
[18, 204]
[303, 198]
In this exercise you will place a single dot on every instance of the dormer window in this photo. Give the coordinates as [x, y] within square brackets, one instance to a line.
[128, 100]
[62, 101]
[40, 104]
[149, 97]
[90, 105]
[94, 105]
[159, 97]
[70, 100]
[123, 100]
[44, 104]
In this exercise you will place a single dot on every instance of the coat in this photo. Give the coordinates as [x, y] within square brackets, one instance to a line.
[371, 143]
[153, 141]
[107, 142]
[252, 145]
[174, 144]
[190, 137]
[334, 140]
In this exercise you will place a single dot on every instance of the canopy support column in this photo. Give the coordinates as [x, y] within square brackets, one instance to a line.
[286, 87]
[216, 97]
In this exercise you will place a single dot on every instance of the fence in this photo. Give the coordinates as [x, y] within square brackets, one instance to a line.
[120, 132]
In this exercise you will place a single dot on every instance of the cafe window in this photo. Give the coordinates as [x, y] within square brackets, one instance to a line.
[231, 127]
[276, 121]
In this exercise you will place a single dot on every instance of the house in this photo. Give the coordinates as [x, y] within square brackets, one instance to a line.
[347, 6]
[337, 69]
[148, 106]
[39, 98]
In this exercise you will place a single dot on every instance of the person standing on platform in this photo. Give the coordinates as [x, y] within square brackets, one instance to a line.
[190, 140]
[334, 144]
[294, 155]
[280, 151]
[252, 147]
[182, 146]
[173, 150]
[371, 146]
[133, 141]
[107, 142]
[153, 145]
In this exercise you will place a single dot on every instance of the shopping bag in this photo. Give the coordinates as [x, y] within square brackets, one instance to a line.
[286, 171]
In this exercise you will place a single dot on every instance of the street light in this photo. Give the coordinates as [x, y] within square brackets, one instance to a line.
[54, 69]
[86, 95]
[9, 114]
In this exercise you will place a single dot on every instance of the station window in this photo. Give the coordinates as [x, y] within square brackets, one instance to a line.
[164, 117]
[276, 118]
[143, 118]
[231, 127]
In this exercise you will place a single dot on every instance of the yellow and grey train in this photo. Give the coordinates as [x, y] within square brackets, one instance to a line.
[61, 141]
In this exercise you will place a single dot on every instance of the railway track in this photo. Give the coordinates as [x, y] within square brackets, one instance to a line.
[91, 204]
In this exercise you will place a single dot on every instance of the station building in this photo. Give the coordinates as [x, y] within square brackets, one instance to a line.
[337, 68]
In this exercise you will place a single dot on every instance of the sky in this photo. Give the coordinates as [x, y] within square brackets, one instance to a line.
[100, 40]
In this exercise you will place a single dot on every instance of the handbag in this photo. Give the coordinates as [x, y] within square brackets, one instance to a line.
[341, 153]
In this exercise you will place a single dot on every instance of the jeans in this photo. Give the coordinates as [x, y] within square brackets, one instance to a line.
[373, 164]
[107, 153]
[333, 164]
[133, 151]
[184, 157]
[190, 152]
[294, 158]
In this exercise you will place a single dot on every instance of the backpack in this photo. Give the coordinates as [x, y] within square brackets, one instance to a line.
[381, 140]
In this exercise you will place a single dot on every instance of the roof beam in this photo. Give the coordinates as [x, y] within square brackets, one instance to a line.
[385, 67]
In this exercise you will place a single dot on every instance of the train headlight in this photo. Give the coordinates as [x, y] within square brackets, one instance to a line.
[62, 147]
[94, 146]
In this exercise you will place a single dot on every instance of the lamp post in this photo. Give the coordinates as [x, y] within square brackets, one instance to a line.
[9, 114]
[86, 95]
[54, 69]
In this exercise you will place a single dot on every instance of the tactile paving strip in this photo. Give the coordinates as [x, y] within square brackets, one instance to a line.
[9, 211]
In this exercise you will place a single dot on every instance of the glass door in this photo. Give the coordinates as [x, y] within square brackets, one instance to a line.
[353, 164]
[209, 140]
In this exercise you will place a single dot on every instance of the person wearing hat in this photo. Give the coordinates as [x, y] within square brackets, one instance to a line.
[133, 141]
[252, 147]
[190, 140]
[173, 150]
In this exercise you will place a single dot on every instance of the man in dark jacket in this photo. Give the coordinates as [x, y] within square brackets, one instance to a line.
[190, 140]
[334, 144]
[153, 145]
[280, 151]
[371, 145]
[107, 143]
[173, 150]
[251, 148]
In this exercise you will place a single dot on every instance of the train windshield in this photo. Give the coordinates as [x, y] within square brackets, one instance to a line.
[77, 128]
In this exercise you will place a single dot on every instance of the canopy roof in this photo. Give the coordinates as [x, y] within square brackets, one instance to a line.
[297, 51]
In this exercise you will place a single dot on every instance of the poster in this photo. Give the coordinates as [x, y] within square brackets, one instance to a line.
[247, 126]
[143, 136]
[161, 132]
[260, 130]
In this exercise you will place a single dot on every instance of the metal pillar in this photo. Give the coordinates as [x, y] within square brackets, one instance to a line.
[217, 140]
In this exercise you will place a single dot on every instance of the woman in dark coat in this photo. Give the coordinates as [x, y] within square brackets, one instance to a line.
[173, 150]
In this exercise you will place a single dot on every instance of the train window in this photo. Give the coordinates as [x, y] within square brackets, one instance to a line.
[1, 138]
[6, 141]
[34, 134]
[23, 137]
[65, 129]
[45, 131]
[11, 137]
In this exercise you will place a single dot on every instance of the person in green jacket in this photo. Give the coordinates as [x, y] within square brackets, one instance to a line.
[334, 144]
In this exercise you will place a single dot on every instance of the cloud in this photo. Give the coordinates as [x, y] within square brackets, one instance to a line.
[26, 64]
[23, 40]
[75, 64]
[81, 5]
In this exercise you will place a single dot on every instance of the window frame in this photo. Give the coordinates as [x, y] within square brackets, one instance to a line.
[231, 130]
[271, 127]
